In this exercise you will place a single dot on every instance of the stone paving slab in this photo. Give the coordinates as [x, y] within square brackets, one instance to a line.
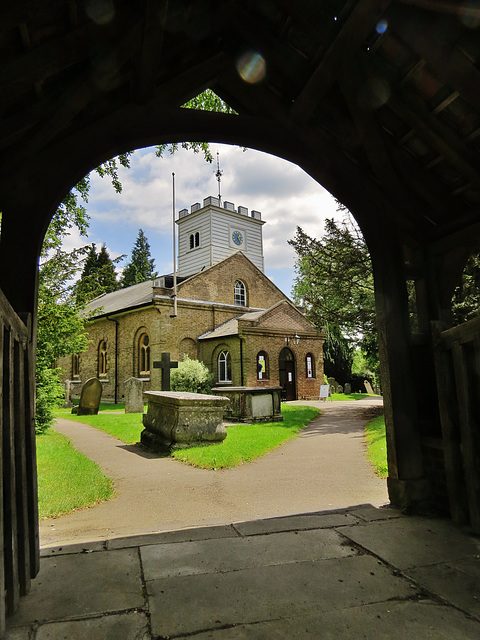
[83, 584]
[369, 513]
[126, 626]
[421, 620]
[457, 582]
[233, 554]
[174, 537]
[188, 604]
[414, 541]
[295, 523]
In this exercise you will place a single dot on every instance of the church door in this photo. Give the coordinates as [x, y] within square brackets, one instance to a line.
[287, 374]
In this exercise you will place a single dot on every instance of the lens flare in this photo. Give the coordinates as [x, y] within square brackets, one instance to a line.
[252, 67]
[381, 26]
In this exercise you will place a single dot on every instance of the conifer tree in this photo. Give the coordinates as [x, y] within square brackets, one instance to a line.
[98, 275]
[141, 266]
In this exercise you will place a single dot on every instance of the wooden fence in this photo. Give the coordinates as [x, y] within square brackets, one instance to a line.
[457, 362]
[19, 548]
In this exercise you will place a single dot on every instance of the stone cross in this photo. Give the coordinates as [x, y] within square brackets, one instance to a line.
[165, 365]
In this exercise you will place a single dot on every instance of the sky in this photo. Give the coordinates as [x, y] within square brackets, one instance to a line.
[284, 194]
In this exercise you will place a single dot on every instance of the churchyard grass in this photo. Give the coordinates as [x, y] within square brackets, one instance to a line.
[67, 480]
[246, 442]
[349, 396]
[377, 445]
[127, 427]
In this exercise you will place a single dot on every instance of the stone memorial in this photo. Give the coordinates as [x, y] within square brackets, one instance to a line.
[133, 395]
[178, 419]
[89, 398]
[348, 388]
[67, 404]
[368, 387]
[252, 404]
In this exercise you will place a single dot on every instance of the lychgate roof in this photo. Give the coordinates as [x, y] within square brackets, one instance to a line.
[385, 92]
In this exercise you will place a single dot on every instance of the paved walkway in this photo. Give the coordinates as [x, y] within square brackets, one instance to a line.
[325, 468]
[345, 574]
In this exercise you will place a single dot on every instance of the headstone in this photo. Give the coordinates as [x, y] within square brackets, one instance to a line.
[68, 395]
[368, 387]
[348, 388]
[133, 395]
[89, 398]
[165, 365]
[339, 388]
[333, 384]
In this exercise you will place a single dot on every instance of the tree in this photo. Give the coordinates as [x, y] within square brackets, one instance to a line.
[98, 275]
[466, 298]
[335, 284]
[141, 266]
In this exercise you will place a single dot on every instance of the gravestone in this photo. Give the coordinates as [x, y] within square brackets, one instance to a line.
[348, 388]
[165, 364]
[133, 395]
[89, 398]
[368, 386]
[68, 395]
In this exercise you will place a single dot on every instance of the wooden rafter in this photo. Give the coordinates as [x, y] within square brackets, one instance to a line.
[350, 38]
[150, 50]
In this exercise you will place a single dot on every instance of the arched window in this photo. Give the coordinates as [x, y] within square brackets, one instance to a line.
[224, 367]
[144, 355]
[102, 358]
[310, 365]
[262, 366]
[239, 294]
[194, 240]
[75, 365]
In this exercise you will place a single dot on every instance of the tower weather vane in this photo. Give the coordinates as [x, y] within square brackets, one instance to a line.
[218, 175]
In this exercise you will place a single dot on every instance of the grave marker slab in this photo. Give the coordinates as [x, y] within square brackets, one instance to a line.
[89, 398]
[133, 395]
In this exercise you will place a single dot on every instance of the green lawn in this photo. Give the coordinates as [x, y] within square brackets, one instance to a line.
[67, 480]
[127, 427]
[245, 442]
[350, 396]
[377, 445]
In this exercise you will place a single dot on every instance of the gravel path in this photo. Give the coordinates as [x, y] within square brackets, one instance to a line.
[325, 468]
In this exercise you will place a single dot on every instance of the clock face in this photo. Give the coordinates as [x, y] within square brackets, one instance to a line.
[237, 237]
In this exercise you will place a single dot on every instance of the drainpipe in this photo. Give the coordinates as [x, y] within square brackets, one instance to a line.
[241, 361]
[116, 359]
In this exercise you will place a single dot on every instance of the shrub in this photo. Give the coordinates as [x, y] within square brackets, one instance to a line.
[191, 375]
[49, 396]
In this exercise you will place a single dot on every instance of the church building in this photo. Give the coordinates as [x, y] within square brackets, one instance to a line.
[222, 310]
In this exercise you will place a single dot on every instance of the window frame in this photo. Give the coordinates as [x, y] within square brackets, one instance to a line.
[102, 359]
[224, 362]
[143, 355]
[266, 373]
[312, 367]
[239, 293]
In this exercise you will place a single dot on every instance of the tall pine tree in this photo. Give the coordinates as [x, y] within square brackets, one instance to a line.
[141, 266]
[98, 275]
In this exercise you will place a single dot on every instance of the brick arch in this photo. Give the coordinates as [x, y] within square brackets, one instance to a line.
[188, 346]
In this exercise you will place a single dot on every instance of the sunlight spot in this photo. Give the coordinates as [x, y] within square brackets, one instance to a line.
[252, 67]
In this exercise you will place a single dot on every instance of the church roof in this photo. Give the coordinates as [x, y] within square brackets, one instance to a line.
[137, 295]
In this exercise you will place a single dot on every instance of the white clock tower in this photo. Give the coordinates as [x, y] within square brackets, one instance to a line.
[210, 233]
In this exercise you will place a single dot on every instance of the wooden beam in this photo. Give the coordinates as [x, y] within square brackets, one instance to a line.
[351, 37]
[434, 41]
[148, 59]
